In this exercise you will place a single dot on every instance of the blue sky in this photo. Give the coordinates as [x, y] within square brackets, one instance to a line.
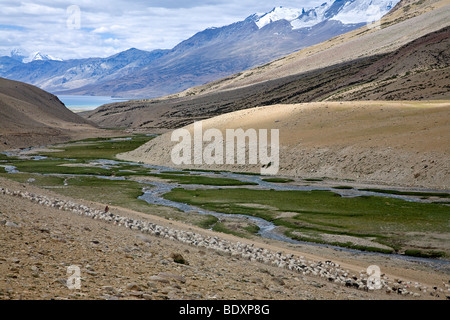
[102, 28]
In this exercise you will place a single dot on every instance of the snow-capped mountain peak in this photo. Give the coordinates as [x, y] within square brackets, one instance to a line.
[311, 17]
[38, 56]
[17, 54]
[345, 11]
[278, 13]
[364, 10]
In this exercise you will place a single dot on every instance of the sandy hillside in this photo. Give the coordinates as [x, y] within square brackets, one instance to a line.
[30, 116]
[398, 143]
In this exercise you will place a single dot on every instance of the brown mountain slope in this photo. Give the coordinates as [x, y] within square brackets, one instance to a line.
[30, 116]
[419, 70]
[416, 71]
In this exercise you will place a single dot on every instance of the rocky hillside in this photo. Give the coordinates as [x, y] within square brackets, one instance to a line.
[44, 234]
[30, 116]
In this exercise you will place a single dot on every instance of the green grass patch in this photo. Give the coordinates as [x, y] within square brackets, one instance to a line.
[80, 167]
[124, 170]
[5, 157]
[252, 228]
[191, 179]
[48, 166]
[220, 171]
[343, 187]
[98, 148]
[277, 180]
[174, 172]
[246, 173]
[121, 193]
[114, 192]
[422, 254]
[35, 179]
[207, 222]
[203, 170]
[410, 193]
[386, 220]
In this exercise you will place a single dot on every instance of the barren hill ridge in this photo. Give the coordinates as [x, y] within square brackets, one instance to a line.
[30, 116]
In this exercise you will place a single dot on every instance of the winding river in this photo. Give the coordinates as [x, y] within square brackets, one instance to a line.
[153, 194]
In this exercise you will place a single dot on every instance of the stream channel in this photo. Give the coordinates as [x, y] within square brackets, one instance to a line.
[154, 195]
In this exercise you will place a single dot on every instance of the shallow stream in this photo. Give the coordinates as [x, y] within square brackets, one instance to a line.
[154, 195]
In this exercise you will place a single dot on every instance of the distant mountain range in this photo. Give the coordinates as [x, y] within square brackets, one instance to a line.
[18, 55]
[407, 58]
[207, 56]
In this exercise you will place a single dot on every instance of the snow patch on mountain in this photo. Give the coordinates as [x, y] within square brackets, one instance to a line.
[345, 11]
[38, 56]
[278, 13]
[364, 11]
[311, 17]
[18, 55]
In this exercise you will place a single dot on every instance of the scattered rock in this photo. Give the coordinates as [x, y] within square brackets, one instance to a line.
[176, 277]
[159, 279]
[109, 289]
[278, 281]
[178, 258]
[133, 287]
[12, 224]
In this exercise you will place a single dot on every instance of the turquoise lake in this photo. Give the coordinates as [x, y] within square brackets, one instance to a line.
[77, 103]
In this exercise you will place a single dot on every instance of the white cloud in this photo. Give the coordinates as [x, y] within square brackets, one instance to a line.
[107, 27]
